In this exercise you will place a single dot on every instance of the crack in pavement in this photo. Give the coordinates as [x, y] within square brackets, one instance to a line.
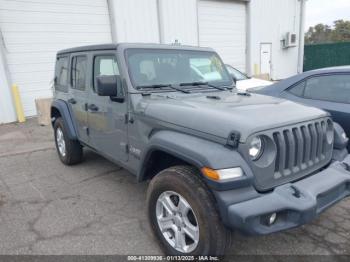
[24, 152]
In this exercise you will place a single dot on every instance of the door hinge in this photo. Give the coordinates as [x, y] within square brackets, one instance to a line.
[86, 129]
[127, 148]
[128, 119]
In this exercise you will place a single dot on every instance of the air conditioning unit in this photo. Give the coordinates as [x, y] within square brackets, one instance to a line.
[290, 40]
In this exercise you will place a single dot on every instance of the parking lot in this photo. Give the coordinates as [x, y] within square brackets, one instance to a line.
[99, 208]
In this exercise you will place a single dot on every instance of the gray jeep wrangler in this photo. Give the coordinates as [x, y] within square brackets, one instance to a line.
[217, 159]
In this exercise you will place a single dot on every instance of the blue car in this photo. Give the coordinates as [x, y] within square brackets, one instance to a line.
[327, 88]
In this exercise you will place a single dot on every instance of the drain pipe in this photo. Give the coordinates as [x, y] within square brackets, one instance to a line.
[7, 110]
[301, 36]
[112, 23]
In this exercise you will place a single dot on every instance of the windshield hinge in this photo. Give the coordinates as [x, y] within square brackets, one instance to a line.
[233, 139]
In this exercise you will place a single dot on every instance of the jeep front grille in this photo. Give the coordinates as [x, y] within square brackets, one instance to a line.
[299, 147]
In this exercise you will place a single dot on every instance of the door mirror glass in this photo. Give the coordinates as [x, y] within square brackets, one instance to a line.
[109, 86]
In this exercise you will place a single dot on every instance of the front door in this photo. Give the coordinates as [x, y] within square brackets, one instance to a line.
[106, 118]
[77, 95]
[265, 59]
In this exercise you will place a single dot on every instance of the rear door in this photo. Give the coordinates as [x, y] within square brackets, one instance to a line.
[77, 95]
[107, 118]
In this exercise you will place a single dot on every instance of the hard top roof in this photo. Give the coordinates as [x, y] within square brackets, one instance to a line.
[114, 46]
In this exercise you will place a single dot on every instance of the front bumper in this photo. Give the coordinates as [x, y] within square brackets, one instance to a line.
[295, 203]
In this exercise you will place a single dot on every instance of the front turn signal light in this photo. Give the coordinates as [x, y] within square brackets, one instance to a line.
[222, 174]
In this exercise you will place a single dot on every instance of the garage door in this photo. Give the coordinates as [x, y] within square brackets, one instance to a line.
[34, 30]
[222, 26]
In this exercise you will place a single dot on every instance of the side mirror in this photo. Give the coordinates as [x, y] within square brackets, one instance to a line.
[110, 86]
[234, 80]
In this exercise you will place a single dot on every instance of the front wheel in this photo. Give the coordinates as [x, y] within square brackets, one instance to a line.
[183, 214]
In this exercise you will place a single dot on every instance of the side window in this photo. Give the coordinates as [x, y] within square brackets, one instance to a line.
[105, 65]
[61, 77]
[298, 90]
[334, 88]
[78, 72]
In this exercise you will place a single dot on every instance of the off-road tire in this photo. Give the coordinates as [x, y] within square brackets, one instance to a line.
[73, 149]
[214, 238]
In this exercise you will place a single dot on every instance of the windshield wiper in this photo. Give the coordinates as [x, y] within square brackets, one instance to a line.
[203, 84]
[164, 85]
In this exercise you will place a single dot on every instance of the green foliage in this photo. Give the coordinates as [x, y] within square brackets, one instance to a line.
[321, 33]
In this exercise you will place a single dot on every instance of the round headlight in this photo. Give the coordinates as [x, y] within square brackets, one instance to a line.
[255, 148]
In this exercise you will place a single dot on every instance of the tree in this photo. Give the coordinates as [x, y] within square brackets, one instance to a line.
[321, 33]
[341, 31]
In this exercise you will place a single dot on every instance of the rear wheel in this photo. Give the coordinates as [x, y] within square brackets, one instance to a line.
[183, 215]
[69, 151]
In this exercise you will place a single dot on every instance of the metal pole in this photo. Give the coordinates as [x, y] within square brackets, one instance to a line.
[301, 36]
[6, 100]
[110, 5]
[160, 21]
[249, 40]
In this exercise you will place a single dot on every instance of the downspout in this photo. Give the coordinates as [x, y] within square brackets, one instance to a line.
[8, 110]
[301, 36]
[110, 5]
[160, 21]
[248, 39]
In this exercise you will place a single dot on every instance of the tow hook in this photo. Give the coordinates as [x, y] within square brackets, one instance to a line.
[346, 166]
[296, 191]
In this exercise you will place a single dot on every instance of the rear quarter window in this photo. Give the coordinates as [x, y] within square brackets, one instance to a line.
[61, 71]
[298, 89]
[333, 88]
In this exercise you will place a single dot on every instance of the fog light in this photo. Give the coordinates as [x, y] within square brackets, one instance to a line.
[272, 218]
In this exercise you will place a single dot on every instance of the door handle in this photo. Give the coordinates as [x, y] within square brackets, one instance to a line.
[92, 107]
[72, 101]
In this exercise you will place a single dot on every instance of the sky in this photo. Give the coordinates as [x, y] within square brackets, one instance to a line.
[326, 11]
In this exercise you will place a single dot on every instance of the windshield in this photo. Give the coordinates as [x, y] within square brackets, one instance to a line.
[236, 73]
[150, 67]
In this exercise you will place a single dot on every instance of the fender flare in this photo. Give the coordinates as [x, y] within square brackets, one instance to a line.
[63, 108]
[340, 141]
[193, 150]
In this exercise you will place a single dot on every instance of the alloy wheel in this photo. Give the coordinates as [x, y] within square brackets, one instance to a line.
[177, 222]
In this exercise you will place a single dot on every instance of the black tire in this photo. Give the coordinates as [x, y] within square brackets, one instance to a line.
[214, 238]
[73, 150]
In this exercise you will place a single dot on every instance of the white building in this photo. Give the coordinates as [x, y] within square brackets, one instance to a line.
[250, 35]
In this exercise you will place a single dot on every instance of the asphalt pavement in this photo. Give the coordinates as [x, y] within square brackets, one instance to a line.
[96, 207]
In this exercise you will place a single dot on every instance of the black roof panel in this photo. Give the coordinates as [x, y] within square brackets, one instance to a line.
[88, 48]
[129, 45]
